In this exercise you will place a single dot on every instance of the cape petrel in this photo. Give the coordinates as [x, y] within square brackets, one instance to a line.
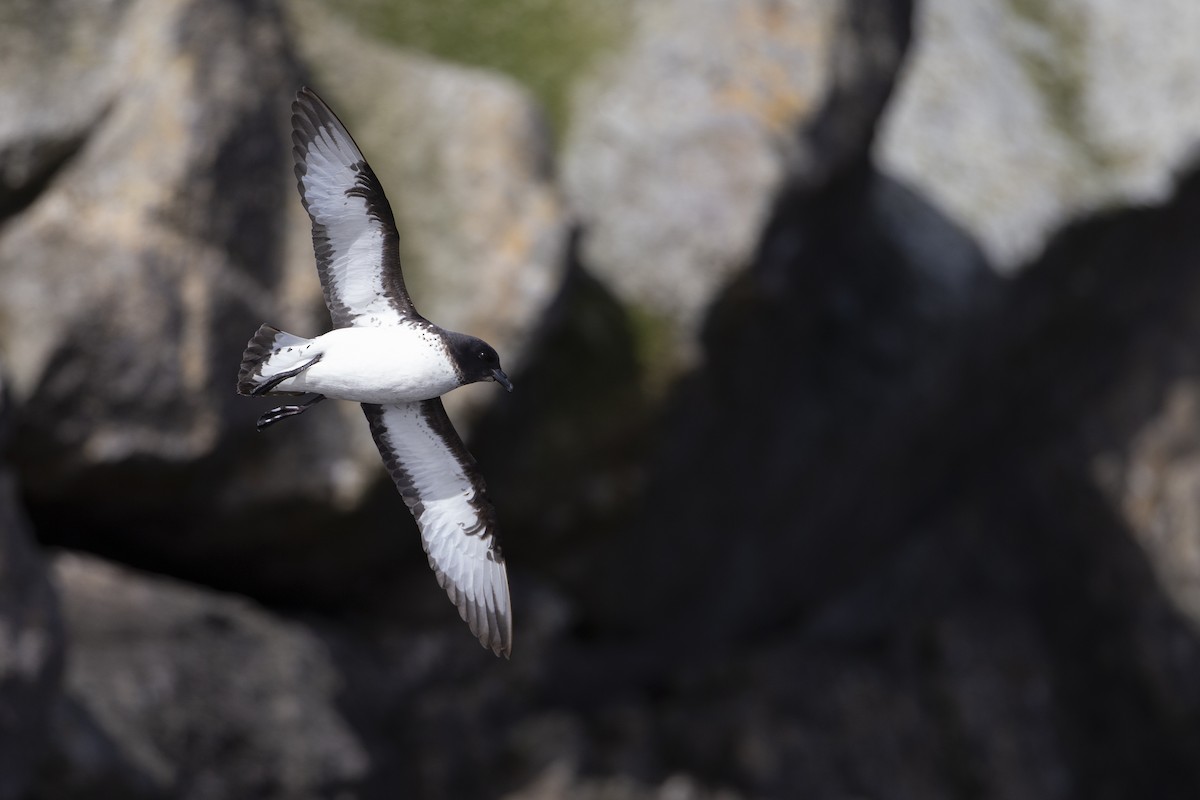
[385, 355]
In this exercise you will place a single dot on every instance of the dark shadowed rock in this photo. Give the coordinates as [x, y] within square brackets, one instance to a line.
[132, 277]
[833, 328]
[84, 763]
[970, 537]
[608, 349]
[31, 641]
[944, 556]
[202, 695]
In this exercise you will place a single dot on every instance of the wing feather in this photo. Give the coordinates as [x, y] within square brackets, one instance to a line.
[354, 234]
[440, 483]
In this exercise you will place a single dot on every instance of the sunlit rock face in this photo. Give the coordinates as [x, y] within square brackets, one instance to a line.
[1015, 118]
[153, 223]
[680, 146]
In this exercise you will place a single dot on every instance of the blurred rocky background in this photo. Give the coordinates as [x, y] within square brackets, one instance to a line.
[855, 451]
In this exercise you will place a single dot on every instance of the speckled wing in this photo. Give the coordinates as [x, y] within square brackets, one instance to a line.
[354, 234]
[441, 484]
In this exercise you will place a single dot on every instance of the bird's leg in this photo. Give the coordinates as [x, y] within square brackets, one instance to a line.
[275, 414]
[283, 376]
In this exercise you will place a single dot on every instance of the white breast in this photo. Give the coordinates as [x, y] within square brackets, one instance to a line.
[394, 364]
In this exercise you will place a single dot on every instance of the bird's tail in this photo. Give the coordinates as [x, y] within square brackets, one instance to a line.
[269, 354]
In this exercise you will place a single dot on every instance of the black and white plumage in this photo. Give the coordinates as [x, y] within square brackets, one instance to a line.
[385, 355]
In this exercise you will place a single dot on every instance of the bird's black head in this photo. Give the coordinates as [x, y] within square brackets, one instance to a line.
[477, 360]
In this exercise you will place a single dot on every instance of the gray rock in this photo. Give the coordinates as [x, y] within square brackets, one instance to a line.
[679, 147]
[1015, 118]
[134, 276]
[204, 695]
[31, 648]
[950, 274]
[1131, 383]
[48, 114]
[130, 278]
[559, 782]
[83, 762]
[136, 267]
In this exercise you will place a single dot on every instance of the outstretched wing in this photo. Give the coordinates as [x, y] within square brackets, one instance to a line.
[354, 234]
[441, 485]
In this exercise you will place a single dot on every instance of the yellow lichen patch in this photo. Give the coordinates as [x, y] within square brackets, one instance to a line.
[781, 65]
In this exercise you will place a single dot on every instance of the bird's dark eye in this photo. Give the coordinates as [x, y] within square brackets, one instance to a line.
[485, 356]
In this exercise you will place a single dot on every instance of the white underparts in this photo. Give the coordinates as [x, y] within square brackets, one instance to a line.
[394, 364]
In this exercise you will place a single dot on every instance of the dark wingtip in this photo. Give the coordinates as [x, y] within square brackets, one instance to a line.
[500, 647]
[306, 93]
[257, 350]
[307, 110]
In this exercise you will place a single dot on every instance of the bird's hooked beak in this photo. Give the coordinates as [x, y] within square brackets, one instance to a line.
[502, 379]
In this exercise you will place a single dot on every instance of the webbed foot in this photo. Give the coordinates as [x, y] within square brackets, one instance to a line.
[283, 412]
[283, 376]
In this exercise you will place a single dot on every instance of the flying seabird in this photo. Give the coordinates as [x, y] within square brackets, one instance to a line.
[397, 364]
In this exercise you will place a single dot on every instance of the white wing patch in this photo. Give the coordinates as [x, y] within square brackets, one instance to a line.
[440, 483]
[354, 234]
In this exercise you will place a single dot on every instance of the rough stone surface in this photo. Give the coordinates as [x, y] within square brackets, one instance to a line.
[1017, 117]
[31, 642]
[899, 603]
[679, 146]
[124, 204]
[204, 695]
[136, 272]
[136, 269]
[48, 114]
